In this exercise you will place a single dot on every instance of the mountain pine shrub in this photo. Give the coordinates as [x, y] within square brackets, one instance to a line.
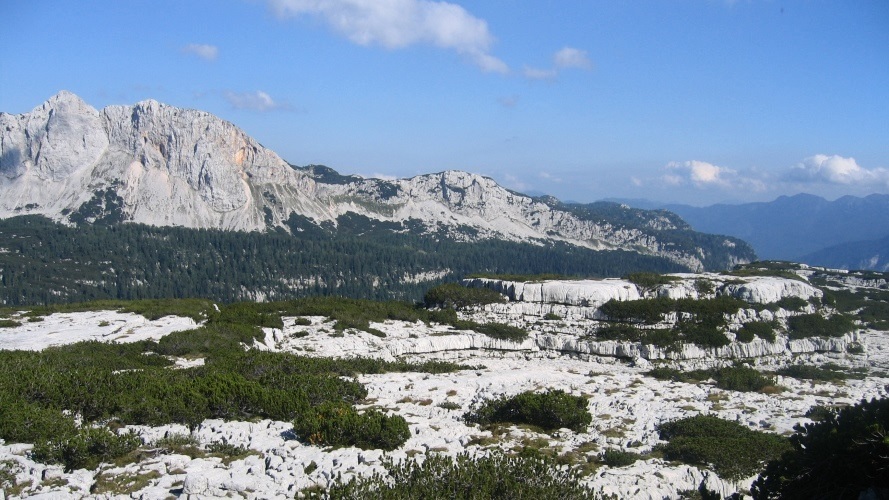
[551, 410]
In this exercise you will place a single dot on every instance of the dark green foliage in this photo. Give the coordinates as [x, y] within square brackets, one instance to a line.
[86, 449]
[765, 268]
[811, 372]
[704, 286]
[741, 378]
[843, 455]
[620, 332]
[702, 333]
[816, 325]
[132, 384]
[819, 413]
[551, 317]
[732, 450]
[9, 323]
[649, 280]
[731, 378]
[456, 296]
[496, 476]
[22, 422]
[500, 331]
[762, 329]
[338, 424]
[361, 258]
[786, 303]
[522, 278]
[650, 311]
[619, 458]
[549, 410]
[868, 305]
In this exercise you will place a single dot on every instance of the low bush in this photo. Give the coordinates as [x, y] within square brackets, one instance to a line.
[810, 372]
[619, 458]
[762, 329]
[86, 449]
[620, 332]
[456, 296]
[549, 410]
[816, 325]
[844, 455]
[732, 450]
[337, 424]
[501, 331]
[649, 279]
[496, 476]
[741, 378]
[731, 378]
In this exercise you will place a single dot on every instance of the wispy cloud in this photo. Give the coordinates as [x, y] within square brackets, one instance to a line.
[254, 101]
[202, 50]
[539, 74]
[396, 24]
[703, 175]
[564, 58]
[569, 57]
[548, 176]
[835, 169]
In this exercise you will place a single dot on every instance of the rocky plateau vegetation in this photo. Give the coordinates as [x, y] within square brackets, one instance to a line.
[597, 386]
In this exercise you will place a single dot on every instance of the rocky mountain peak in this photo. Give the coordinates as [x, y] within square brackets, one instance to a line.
[161, 165]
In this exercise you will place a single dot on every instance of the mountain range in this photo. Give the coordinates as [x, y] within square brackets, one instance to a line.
[846, 233]
[159, 165]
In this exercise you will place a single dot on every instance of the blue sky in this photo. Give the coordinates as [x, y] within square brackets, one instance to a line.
[697, 102]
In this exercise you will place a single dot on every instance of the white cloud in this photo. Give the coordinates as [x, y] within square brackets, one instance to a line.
[255, 101]
[569, 57]
[204, 51]
[564, 58]
[550, 177]
[400, 23]
[835, 169]
[702, 174]
[539, 74]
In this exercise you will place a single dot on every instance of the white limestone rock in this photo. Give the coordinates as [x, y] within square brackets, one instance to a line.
[766, 289]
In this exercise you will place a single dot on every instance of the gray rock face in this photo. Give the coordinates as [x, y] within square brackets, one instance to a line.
[53, 141]
[173, 166]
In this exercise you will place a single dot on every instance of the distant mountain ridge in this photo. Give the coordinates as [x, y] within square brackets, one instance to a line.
[796, 227]
[164, 166]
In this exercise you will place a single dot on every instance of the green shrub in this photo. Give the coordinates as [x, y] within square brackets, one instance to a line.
[810, 372]
[552, 317]
[731, 378]
[22, 422]
[620, 332]
[762, 329]
[741, 378]
[842, 456]
[455, 296]
[732, 450]
[703, 334]
[9, 323]
[501, 331]
[619, 458]
[496, 476]
[704, 286]
[816, 325]
[337, 424]
[549, 410]
[649, 279]
[86, 449]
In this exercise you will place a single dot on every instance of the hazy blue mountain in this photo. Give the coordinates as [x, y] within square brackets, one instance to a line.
[870, 254]
[793, 227]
